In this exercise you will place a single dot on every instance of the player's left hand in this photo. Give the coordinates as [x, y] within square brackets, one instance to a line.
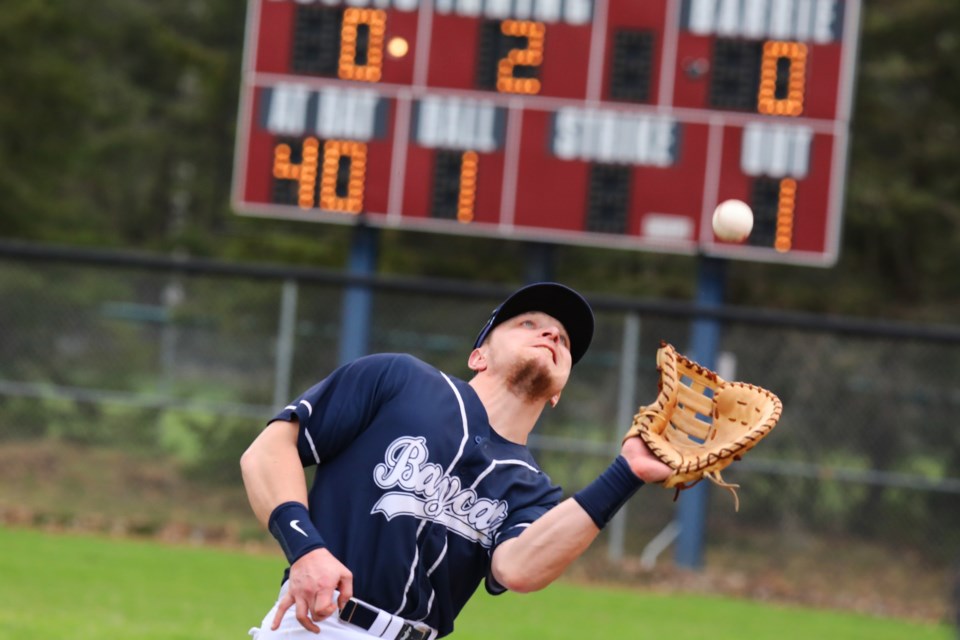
[643, 463]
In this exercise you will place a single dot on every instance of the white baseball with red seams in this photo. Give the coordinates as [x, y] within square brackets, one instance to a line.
[732, 220]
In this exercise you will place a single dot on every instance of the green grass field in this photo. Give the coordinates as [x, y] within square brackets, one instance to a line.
[89, 588]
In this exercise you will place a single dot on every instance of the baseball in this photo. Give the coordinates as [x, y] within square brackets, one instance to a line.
[732, 220]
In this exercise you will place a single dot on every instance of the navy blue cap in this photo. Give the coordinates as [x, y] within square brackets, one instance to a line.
[556, 300]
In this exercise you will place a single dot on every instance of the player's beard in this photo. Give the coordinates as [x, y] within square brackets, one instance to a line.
[531, 381]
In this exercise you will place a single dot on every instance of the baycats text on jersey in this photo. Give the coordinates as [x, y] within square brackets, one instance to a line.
[429, 493]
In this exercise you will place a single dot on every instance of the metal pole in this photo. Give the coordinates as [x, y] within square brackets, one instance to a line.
[358, 299]
[626, 407]
[285, 343]
[705, 341]
[541, 259]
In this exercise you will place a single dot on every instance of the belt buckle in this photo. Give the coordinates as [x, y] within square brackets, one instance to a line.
[410, 632]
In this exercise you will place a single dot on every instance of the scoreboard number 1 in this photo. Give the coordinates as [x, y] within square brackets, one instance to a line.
[786, 203]
[468, 186]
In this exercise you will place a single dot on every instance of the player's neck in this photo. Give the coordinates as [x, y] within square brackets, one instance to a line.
[510, 415]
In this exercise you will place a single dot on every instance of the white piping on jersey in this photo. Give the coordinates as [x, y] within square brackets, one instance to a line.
[463, 419]
[436, 564]
[433, 593]
[413, 567]
[522, 525]
[493, 464]
[313, 448]
[456, 458]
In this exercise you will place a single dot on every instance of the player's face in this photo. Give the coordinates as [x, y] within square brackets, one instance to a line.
[533, 352]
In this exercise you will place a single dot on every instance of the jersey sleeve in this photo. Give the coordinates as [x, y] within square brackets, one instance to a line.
[332, 413]
[543, 496]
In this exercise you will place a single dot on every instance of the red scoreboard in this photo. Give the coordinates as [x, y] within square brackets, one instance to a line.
[617, 123]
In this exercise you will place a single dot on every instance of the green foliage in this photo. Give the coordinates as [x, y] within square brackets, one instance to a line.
[119, 108]
[213, 446]
[903, 222]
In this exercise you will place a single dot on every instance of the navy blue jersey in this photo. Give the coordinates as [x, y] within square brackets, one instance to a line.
[414, 489]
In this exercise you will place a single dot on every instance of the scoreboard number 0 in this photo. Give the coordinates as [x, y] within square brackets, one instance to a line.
[361, 44]
[344, 174]
[782, 78]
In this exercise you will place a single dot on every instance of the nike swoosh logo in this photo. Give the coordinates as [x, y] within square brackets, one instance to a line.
[295, 527]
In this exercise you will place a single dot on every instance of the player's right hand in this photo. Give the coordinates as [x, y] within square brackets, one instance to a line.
[313, 580]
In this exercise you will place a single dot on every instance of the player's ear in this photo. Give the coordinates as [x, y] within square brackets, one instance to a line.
[477, 360]
[554, 401]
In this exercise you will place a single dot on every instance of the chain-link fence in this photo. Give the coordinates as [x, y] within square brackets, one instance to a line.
[190, 357]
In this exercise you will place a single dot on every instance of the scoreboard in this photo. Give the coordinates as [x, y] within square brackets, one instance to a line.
[614, 123]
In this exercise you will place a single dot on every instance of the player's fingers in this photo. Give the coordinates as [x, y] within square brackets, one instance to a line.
[303, 616]
[282, 607]
[346, 589]
[323, 604]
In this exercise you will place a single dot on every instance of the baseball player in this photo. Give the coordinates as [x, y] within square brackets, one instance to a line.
[424, 487]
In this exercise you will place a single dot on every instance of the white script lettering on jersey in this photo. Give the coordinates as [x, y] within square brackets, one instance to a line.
[430, 494]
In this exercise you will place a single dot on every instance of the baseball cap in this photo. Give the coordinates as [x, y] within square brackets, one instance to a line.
[557, 300]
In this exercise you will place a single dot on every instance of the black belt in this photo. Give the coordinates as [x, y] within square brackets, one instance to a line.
[363, 616]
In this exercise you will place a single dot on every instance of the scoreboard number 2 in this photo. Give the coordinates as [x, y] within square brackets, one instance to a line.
[530, 56]
[510, 55]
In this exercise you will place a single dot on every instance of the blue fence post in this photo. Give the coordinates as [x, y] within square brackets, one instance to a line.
[705, 342]
[358, 299]
[540, 262]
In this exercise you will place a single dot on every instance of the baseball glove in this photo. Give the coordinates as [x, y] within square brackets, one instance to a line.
[700, 423]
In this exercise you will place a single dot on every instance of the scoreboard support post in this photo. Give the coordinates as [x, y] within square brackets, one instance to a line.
[704, 344]
[541, 261]
[358, 299]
